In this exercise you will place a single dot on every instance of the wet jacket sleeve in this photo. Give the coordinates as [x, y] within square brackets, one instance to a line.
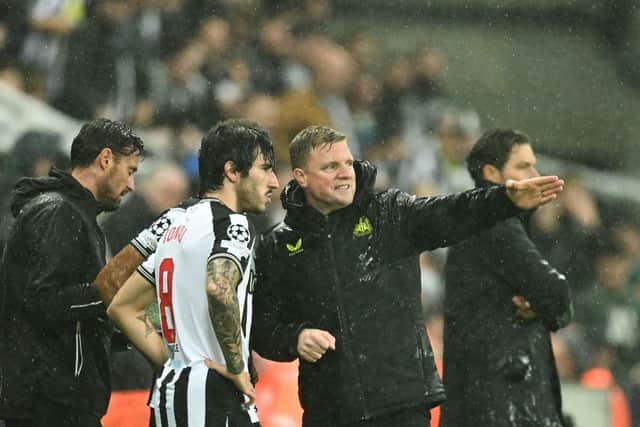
[55, 290]
[513, 257]
[433, 222]
[274, 332]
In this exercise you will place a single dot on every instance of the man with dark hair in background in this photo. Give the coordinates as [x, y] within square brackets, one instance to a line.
[202, 274]
[339, 282]
[33, 155]
[55, 335]
[501, 301]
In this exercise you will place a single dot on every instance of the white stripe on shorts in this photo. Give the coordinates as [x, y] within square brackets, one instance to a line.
[197, 395]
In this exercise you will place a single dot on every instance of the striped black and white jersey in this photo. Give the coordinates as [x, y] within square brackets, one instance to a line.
[178, 270]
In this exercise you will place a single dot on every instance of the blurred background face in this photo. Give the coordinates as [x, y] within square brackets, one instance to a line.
[457, 133]
[215, 34]
[166, 188]
[364, 92]
[400, 74]
[276, 38]
[333, 69]
[186, 63]
[328, 178]
[430, 63]
[263, 109]
[363, 49]
[612, 270]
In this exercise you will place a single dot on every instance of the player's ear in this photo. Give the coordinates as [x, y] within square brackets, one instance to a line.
[231, 171]
[492, 174]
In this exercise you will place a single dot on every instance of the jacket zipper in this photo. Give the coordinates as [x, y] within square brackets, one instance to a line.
[341, 322]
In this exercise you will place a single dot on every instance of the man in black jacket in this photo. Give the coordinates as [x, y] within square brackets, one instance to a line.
[502, 300]
[339, 282]
[55, 335]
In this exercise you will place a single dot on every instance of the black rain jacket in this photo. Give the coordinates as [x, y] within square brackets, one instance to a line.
[54, 336]
[355, 273]
[499, 368]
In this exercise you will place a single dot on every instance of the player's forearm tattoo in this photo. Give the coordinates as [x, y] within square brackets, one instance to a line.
[224, 311]
[148, 326]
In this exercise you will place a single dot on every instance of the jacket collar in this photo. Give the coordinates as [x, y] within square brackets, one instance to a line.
[59, 181]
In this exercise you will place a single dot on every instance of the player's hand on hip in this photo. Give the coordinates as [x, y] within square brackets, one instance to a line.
[242, 381]
[314, 343]
[533, 192]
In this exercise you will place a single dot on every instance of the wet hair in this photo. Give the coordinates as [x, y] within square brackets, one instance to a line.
[309, 138]
[493, 148]
[99, 134]
[236, 140]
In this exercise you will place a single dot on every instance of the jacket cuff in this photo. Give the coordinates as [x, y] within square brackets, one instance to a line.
[88, 303]
[293, 348]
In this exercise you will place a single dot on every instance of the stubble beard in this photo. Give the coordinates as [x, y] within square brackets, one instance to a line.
[249, 201]
[104, 196]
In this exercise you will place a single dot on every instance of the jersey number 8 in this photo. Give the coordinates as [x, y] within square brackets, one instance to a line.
[166, 298]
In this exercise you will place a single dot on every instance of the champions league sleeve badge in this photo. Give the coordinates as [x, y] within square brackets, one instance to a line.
[160, 226]
[238, 233]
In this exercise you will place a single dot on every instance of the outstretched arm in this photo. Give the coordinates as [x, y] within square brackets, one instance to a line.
[432, 222]
[127, 310]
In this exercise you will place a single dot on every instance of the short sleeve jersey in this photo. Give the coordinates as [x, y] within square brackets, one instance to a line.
[178, 270]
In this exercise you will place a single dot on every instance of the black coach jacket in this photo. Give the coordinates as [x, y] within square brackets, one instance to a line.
[499, 368]
[54, 336]
[355, 273]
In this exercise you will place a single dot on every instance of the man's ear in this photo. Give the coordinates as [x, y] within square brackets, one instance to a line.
[492, 174]
[105, 158]
[300, 177]
[231, 172]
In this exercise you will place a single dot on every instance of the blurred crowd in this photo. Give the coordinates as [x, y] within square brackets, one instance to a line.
[173, 68]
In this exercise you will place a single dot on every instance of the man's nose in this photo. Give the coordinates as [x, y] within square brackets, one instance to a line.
[273, 180]
[345, 172]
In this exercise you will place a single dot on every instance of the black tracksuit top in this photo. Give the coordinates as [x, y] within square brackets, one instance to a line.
[355, 273]
[55, 336]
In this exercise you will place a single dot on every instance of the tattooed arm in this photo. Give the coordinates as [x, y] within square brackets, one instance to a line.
[127, 310]
[223, 278]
